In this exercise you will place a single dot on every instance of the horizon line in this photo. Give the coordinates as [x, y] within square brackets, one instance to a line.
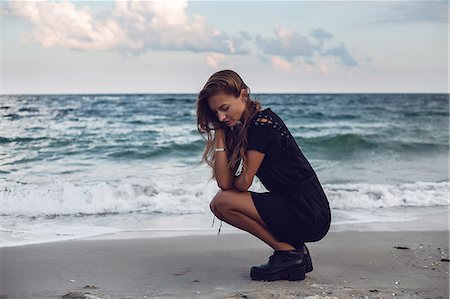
[180, 93]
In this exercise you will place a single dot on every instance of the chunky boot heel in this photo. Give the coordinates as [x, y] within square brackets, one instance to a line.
[308, 261]
[297, 274]
[309, 266]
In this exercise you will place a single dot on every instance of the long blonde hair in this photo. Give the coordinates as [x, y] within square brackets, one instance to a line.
[230, 83]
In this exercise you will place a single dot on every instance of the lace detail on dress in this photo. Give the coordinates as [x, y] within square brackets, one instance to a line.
[265, 120]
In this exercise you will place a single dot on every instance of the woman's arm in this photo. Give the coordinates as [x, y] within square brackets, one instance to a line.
[223, 173]
[250, 166]
[239, 182]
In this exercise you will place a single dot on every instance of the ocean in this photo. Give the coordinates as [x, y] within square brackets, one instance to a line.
[73, 166]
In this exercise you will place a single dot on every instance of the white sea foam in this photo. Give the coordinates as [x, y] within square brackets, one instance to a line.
[64, 198]
[172, 196]
[370, 196]
[22, 232]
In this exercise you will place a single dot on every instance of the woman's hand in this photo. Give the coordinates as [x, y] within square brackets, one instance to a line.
[220, 137]
[218, 125]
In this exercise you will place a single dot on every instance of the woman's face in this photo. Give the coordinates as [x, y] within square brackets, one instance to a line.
[228, 108]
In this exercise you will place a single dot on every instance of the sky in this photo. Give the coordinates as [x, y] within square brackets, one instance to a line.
[87, 47]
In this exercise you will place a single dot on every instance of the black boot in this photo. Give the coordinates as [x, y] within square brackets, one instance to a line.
[308, 261]
[286, 264]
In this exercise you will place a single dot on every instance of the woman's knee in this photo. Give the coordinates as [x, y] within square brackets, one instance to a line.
[218, 204]
[214, 205]
[226, 202]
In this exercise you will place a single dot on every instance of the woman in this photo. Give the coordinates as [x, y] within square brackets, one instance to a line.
[295, 210]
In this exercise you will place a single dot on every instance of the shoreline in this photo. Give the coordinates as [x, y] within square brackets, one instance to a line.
[433, 220]
[411, 219]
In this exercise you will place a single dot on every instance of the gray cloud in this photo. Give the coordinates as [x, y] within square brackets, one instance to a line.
[245, 35]
[341, 53]
[290, 44]
[415, 12]
[139, 26]
[321, 34]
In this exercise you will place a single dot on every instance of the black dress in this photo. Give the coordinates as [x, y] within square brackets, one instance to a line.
[295, 209]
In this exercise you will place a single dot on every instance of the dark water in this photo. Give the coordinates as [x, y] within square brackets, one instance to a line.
[344, 127]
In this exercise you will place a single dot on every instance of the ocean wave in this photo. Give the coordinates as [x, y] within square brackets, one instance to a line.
[20, 140]
[166, 197]
[338, 143]
[65, 198]
[370, 196]
[341, 142]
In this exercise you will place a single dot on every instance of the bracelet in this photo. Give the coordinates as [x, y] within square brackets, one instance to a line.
[220, 149]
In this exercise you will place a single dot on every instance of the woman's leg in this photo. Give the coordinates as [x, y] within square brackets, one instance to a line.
[237, 208]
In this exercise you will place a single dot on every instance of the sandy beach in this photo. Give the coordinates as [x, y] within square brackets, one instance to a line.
[347, 264]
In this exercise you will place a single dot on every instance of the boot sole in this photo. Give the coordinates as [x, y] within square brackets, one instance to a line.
[292, 274]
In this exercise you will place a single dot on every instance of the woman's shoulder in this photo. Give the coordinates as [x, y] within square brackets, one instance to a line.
[269, 122]
[265, 116]
[262, 113]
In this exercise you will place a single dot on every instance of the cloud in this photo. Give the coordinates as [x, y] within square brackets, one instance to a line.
[281, 64]
[61, 24]
[341, 53]
[133, 26]
[415, 12]
[245, 35]
[287, 45]
[136, 27]
[320, 34]
[216, 60]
